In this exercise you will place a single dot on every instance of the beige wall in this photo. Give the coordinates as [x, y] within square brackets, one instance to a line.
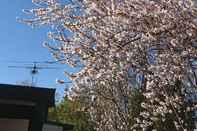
[14, 125]
[22, 125]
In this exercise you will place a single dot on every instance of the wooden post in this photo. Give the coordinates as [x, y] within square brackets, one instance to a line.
[38, 118]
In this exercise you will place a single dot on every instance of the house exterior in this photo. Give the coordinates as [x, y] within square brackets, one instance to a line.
[25, 109]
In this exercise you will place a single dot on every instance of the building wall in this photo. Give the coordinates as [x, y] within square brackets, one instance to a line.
[48, 127]
[14, 125]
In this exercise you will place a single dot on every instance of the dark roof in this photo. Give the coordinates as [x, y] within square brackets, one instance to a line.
[28, 94]
[16, 111]
[24, 102]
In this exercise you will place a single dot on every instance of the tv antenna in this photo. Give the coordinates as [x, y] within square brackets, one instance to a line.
[34, 68]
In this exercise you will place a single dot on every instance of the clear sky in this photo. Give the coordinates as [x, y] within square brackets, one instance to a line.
[20, 42]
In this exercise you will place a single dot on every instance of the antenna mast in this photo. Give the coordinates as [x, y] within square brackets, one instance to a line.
[34, 69]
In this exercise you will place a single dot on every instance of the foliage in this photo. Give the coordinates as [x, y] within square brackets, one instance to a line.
[70, 111]
[124, 45]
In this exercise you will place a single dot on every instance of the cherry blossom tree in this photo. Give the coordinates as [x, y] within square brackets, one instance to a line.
[122, 46]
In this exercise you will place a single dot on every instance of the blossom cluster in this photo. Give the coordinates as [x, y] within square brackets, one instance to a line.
[122, 46]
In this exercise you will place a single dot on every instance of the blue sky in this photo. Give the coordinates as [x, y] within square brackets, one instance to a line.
[19, 42]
